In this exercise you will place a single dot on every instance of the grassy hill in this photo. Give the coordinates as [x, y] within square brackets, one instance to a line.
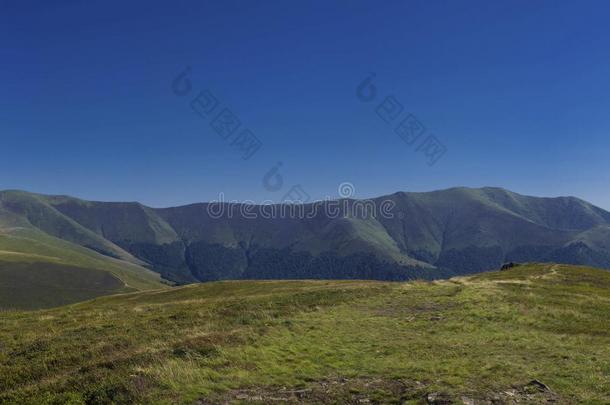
[47, 259]
[32, 284]
[428, 235]
[535, 333]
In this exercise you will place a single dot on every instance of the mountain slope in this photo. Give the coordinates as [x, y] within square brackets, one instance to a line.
[477, 229]
[533, 334]
[423, 235]
[47, 259]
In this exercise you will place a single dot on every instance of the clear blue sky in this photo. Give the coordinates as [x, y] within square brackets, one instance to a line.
[517, 91]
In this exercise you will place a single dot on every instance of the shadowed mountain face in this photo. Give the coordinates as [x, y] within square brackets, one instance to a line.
[403, 236]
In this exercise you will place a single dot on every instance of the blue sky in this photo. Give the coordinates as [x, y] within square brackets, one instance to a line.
[517, 92]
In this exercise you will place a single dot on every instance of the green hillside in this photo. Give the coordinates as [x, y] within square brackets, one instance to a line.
[47, 259]
[33, 284]
[532, 334]
[31, 211]
[428, 235]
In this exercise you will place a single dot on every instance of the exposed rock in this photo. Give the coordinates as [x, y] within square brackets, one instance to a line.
[356, 391]
[537, 386]
[509, 265]
[438, 398]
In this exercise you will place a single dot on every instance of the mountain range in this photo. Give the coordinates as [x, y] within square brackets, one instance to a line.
[60, 249]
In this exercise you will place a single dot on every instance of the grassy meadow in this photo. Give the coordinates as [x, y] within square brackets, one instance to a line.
[533, 334]
[40, 271]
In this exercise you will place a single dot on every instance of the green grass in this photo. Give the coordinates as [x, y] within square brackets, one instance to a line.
[41, 271]
[35, 285]
[319, 341]
[34, 243]
[47, 258]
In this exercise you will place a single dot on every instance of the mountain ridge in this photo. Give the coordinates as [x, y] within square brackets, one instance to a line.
[482, 188]
[428, 235]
